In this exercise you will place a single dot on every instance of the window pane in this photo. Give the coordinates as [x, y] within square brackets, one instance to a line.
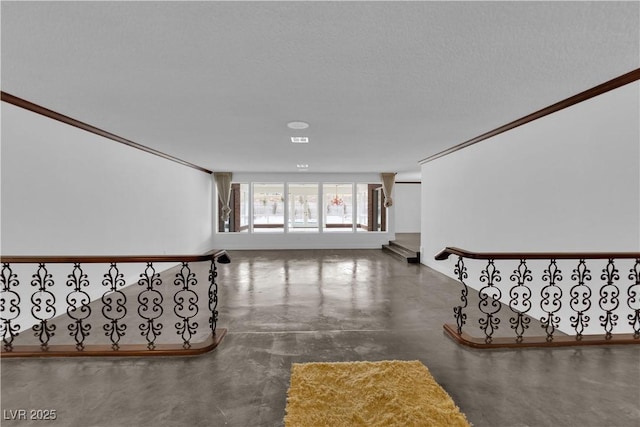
[362, 221]
[338, 207]
[303, 207]
[244, 208]
[268, 208]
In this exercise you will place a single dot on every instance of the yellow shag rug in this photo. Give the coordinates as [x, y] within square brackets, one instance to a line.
[387, 393]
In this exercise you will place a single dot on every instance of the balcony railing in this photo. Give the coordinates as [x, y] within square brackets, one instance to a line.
[105, 317]
[560, 292]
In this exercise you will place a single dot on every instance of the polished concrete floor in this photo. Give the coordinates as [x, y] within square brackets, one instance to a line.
[283, 307]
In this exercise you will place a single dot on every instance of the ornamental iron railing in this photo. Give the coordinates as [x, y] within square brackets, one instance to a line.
[560, 292]
[101, 318]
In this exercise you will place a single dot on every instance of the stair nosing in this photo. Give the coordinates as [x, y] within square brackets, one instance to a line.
[400, 245]
[401, 251]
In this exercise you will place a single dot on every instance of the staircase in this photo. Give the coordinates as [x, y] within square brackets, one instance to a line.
[404, 247]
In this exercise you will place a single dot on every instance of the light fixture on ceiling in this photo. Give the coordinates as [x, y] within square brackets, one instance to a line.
[297, 125]
[302, 166]
[300, 139]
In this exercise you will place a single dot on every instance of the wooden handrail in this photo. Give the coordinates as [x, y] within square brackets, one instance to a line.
[220, 255]
[446, 252]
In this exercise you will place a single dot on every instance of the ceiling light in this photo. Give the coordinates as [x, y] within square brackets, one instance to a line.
[302, 166]
[297, 125]
[300, 139]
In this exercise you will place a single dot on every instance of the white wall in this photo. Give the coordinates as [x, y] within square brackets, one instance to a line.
[334, 240]
[69, 192]
[406, 200]
[567, 182]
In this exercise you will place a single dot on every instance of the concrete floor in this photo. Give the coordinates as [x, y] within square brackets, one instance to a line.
[282, 307]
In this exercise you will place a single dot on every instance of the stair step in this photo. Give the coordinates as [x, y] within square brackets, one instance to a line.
[399, 249]
[403, 253]
[400, 245]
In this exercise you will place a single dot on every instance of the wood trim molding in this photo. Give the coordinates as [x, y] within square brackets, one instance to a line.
[615, 83]
[124, 350]
[446, 252]
[268, 225]
[219, 255]
[539, 341]
[27, 105]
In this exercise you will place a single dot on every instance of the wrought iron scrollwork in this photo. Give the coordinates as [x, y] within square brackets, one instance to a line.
[150, 308]
[580, 298]
[186, 304]
[520, 302]
[489, 300]
[43, 308]
[60, 300]
[78, 308]
[609, 301]
[114, 306]
[461, 317]
[9, 307]
[551, 299]
[633, 301]
[213, 296]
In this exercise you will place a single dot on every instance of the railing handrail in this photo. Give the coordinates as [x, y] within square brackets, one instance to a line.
[219, 255]
[449, 250]
[114, 305]
[545, 302]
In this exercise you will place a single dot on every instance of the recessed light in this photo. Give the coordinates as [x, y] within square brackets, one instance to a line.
[302, 166]
[297, 125]
[300, 139]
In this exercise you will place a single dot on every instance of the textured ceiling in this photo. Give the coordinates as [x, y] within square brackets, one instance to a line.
[383, 84]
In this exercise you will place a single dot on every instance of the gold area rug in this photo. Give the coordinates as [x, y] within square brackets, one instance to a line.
[387, 393]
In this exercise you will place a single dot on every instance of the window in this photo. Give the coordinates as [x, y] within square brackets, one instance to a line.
[343, 207]
[303, 207]
[338, 207]
[243, 190]
[362, 208]
[268, 208]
